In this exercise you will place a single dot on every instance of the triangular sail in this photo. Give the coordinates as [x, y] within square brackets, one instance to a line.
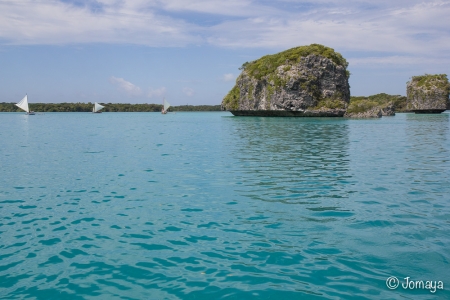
[97, 107]
[166, 105]
[23, 104]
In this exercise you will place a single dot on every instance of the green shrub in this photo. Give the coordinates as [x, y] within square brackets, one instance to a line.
[330, 104]
[428, 81]
[361, 106]
[382, 100]
[268, 64]
[231, 100]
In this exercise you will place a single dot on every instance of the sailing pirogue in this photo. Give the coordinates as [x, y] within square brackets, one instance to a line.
[97, 108]
[23, 104]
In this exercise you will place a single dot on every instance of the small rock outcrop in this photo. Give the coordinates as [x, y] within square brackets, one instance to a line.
[303, 81]
[388, 110]
[369, 113]
[374, 106]
[428, 93]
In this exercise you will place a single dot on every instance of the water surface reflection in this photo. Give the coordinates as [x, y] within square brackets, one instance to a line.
[291, 160]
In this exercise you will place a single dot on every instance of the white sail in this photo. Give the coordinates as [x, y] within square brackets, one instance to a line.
[23, 104]
[97, 107]
[166, 105]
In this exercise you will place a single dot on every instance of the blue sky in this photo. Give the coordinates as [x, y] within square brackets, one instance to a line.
[189, 51]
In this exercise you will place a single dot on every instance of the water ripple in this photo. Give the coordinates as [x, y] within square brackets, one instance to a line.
[243, 208]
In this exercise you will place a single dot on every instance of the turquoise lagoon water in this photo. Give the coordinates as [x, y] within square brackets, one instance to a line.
[211, 206]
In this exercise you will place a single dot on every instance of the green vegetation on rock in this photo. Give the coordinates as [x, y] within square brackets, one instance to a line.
[277, 81]
[330, 104]
[231, 100]
[268, 64]
[428, 81]
[362, 104]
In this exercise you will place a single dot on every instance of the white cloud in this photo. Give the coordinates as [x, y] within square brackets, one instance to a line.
[52, 22]
[126, 86]
[358, 32]
[188, 91]
[417, 28]
[228, 77]
[402, 27]
[156, 92]
[383, 61]
[219, 7]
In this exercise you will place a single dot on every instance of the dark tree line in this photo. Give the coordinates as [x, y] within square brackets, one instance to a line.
[109, 107]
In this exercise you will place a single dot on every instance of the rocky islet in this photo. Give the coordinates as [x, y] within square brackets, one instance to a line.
[313, 81]
[428, 93]
[309, 80]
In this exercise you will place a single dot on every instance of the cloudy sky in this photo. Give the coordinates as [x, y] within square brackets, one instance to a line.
[189, 51]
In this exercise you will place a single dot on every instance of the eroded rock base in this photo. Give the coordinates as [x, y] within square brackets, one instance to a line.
[428, 111]
[288, 113]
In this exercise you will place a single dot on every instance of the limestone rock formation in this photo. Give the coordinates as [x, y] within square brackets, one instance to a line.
[388, 110]
[303, 81]
[428, 93]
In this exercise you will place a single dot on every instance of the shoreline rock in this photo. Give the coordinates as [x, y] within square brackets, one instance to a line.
[372, 113]
[389, 110]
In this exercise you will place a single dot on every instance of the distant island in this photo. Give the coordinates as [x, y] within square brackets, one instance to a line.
[109, 107]
[357, 105]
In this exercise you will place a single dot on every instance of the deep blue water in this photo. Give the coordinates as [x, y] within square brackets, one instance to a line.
[211, 206]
